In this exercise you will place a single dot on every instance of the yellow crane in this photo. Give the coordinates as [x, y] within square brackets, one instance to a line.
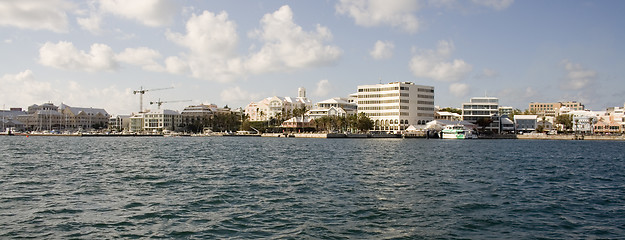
[142, 91]
[159, 102]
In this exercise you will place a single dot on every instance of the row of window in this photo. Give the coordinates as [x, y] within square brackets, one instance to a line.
[383, 108]
[425, 108]
[387, 114]
[383, 101]
[426, 102]
[381, 89]
[379, 95]
[427, 90]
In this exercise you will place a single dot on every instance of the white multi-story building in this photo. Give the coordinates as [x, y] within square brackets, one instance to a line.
[583, 121]
[271, 107]
[156, 121]
[482, 107]
[333, 107]
[395, 106]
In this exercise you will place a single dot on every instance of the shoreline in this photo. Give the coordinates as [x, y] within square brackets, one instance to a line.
[342, 135]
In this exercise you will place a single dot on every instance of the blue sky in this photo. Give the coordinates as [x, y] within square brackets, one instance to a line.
[94, 53]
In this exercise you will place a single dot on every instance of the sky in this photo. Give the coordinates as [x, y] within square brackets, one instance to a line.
[95, 53]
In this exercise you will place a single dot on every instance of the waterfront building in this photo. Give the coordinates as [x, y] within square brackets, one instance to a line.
[161, 120]
[482, 107]
[198, 114]
[119, 123]
[447, 116]
[395, 106]
[506, 124]
[583, 121]
[526, 123]
[339, 107]
[8, 120]
[607, 127]
[505, 110]
[136, 123]
[546, 123]
[277, 107]
[80, 118]
[298, 122]
[553, 109]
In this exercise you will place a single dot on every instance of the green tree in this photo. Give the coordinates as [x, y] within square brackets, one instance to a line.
[364, 123]
[452, 110]
[516, 111]
[566, 120]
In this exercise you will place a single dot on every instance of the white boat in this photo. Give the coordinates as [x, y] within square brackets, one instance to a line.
[457, 132]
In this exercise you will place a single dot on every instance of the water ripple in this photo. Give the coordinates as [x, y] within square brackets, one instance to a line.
[251, 188]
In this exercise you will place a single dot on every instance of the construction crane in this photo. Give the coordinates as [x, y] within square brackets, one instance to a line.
[142, 91]
[159, 102]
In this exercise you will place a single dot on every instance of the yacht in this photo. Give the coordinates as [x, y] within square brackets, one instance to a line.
[457, 132]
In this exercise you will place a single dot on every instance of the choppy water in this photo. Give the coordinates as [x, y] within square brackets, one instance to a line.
[207, 188]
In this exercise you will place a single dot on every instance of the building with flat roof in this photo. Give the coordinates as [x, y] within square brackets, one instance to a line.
[553, 109]
[160, 120]
[526, 123]
[482, 107]
[395, 106]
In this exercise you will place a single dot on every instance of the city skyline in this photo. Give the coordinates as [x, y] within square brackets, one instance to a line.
[96, 53]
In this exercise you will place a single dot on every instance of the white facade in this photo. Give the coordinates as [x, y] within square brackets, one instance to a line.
[583, 121]
[155, 121]
[482, 107]
[333, 107]
[271, 107]
[395, 106]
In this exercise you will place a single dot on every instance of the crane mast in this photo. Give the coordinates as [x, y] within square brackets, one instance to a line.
[159, 102]
[142, 91]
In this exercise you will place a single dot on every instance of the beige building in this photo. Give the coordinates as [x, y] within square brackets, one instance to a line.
[48, 117]
[395, 106]
[554, 109]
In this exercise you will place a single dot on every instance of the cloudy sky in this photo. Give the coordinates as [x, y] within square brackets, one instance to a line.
[95, 53]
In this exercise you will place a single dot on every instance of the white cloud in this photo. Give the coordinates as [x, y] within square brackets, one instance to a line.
[91, 23]
[487, 73]
[27, 90]
[577, 77]
[142, 56]
[287, 46]
[34, 14]
[371, 13]
[434, 65]
[153, 13]
[459, 89]
[323, 88]
[382, 50]
[236, 95]
[212, 41]
[176, 65]
[24, 89]
[494, 4]
[64, 55]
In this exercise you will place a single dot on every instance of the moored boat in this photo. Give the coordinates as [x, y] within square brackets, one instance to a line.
[457, 132]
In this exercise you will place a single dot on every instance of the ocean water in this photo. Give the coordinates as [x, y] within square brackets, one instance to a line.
[251, 188]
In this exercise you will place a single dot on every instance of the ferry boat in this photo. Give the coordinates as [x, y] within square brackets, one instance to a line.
[457, 132]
